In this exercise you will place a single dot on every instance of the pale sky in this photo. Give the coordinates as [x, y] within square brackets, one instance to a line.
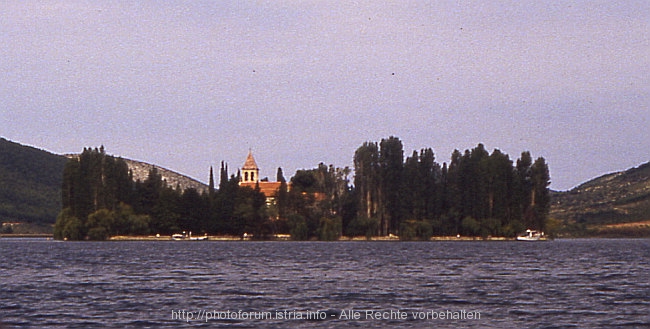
[187, 84]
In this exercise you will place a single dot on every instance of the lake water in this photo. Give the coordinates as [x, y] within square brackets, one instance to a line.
[595, 283]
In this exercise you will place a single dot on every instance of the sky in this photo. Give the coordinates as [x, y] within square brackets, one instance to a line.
[188, 84]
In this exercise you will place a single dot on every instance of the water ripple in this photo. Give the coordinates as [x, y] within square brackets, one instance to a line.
[559, 284]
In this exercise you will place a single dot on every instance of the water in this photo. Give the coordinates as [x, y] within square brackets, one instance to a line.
[555, 284]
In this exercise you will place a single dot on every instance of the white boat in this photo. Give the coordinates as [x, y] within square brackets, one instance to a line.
[184, 236]
[531, 235]
[198, 238]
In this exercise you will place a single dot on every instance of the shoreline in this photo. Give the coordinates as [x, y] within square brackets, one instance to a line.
[286, 237]
[27, 235]
[278, 237]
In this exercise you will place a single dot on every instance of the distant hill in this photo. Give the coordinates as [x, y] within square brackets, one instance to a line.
[141, 171]
[30, 182]
[616, 198]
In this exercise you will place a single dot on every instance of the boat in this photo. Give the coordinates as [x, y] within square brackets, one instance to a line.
[198, 238]
[531, 235]
[184, 236]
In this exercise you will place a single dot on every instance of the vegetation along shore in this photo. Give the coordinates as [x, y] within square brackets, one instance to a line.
[97, 196]
[477, 194]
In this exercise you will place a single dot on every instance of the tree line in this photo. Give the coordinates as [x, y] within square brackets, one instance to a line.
[478, 193]
[100, 199]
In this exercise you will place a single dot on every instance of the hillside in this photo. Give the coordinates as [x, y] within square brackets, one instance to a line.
[30, 183]
[141, 171]
[616, 198]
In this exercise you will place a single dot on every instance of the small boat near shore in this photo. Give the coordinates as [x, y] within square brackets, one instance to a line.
[531, 235]
[184, 236]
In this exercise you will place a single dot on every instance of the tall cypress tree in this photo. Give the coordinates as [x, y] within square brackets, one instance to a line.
[282, 194]
[391, 162]
[500, 184]
[367, 180]
[523, 189]
[211, 184]
[223, 176]
[540, 195]
[430, 172]
[413, 188]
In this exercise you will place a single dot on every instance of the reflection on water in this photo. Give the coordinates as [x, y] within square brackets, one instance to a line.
[563, 283]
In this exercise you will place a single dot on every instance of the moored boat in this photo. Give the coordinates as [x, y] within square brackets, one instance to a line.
[184, 236]
[531, 235]
[198, 238]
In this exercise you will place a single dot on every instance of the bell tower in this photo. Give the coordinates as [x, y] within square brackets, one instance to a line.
[250, 172]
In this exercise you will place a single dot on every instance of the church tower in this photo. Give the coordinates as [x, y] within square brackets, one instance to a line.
[250, 172]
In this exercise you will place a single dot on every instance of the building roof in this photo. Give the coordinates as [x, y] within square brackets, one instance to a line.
[269, 189]
[250, 163]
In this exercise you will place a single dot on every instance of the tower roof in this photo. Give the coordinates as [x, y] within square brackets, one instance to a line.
[250, 162]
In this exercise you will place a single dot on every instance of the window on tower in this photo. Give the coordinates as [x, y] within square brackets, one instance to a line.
[246, 177]
[253, 176]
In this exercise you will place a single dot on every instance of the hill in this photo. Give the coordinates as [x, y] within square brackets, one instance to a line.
[30, 184]
[141, 171]
[615, 200]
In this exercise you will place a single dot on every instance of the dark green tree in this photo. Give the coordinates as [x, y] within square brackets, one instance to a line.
[250, 212]
[523, 190]
[391, 162]
[226, 203]
[367, 181]
[540, 198]
[281, 204]
[499, 178]
[194, 211]
[91, 182]
[211, 184]
[68, 226]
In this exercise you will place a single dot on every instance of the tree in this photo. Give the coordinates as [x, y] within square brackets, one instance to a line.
[415, 230]
[523, 189]
[330, 228]
[226, 203]
[68, 226]
[540, 195]
[367, 180]
[164, 209]
[499, 177]
[413, 190]
[298, 227]
[92, 182]
[282, 198]
[250, 211]
[193, 211]
[420, 186]
[127, 222]
[431, 174]
[391, 161]
[211, 184]
[100, 224]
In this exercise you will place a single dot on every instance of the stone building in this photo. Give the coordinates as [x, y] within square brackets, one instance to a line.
[250, 176]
